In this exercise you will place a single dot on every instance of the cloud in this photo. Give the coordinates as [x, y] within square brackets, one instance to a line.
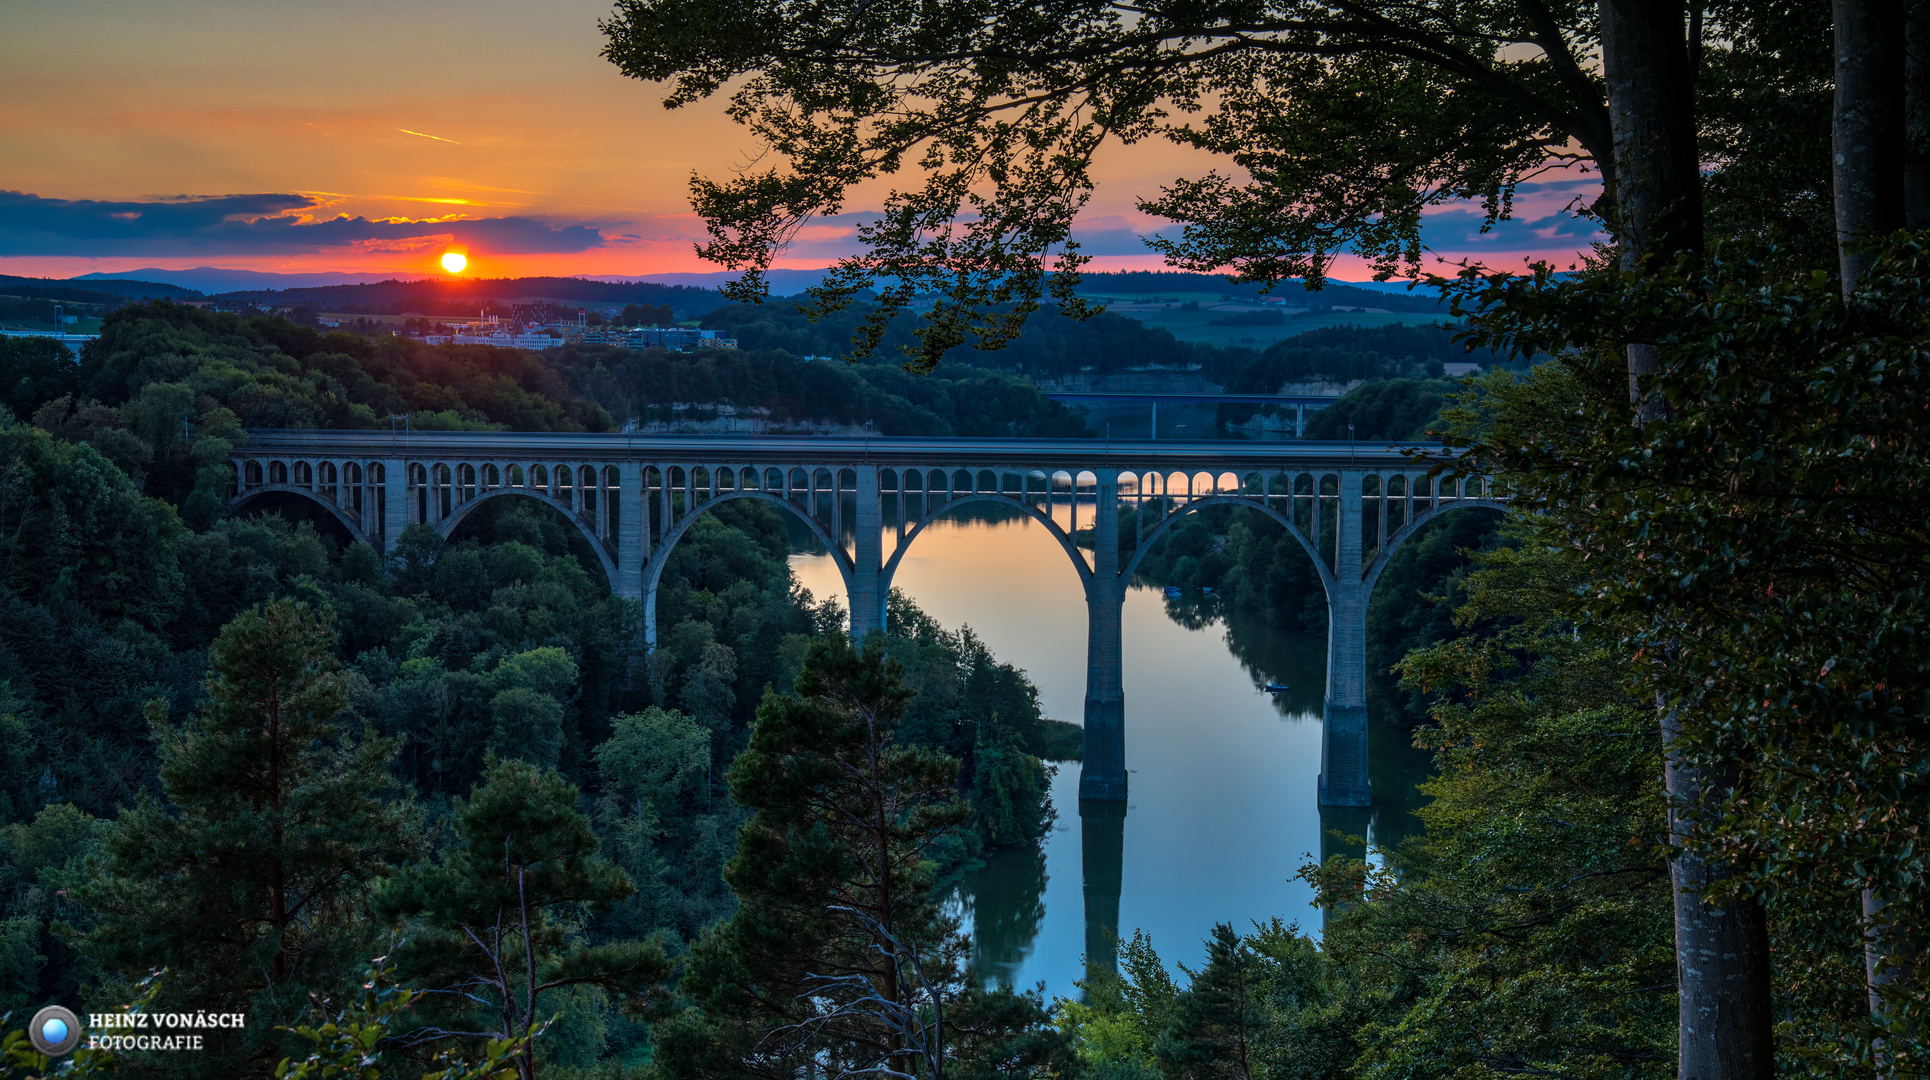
[1460, 230]
[260, 224]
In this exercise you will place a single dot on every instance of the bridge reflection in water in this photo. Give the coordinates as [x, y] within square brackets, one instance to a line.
[1104, 503]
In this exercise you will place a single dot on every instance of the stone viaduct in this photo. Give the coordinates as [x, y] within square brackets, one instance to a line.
[866, 500]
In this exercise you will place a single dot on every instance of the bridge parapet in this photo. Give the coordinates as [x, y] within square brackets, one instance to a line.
[1107, 503]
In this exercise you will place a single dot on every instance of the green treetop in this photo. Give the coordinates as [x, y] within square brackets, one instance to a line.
[247, 882]
[493, 924]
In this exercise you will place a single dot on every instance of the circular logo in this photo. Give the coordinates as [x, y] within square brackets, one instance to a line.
[54, 1031]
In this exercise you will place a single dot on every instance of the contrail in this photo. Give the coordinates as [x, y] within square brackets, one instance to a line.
[425, 135]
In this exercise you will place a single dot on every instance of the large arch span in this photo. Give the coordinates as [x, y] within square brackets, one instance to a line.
[1065, 541]
[1407, 531]
[353, 526]
[1313, 553]
[660, 557]
[604, 556]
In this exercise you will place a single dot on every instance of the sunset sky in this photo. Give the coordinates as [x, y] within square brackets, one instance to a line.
[361, 136]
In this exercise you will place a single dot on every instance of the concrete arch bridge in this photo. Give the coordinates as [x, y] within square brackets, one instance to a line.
[633, 497]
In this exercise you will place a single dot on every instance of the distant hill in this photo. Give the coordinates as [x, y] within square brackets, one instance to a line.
[1388, 295]
[443, 296]
[89, 290]
[217, 279]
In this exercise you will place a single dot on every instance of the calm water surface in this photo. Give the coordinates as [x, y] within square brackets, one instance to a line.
[1222, 811]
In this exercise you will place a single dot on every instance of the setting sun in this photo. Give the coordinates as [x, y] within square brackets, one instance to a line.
[454, 261]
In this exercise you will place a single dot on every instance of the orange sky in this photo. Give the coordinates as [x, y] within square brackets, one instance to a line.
[416, 115]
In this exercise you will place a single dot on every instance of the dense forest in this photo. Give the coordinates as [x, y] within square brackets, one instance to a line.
[1051, 345]
[438, 698]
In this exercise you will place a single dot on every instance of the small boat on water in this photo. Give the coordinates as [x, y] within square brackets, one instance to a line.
[1172, 592]
[1277, 688]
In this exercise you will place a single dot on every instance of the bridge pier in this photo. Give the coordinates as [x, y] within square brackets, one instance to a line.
[868, 592]
[1343, 735]
[395, 503]
[628, 530]
[1102, 770]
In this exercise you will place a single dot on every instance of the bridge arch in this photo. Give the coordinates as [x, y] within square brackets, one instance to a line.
[660, 557]
[1071, 549]
[447, 526]
[1200, 502]
[347, 522]
[1407, 531]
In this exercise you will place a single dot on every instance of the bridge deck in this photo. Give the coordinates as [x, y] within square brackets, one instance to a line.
[882, 450]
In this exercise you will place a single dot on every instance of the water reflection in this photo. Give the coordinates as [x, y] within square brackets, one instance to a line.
[1102, 848]
[1222, 805]
[1004, 904]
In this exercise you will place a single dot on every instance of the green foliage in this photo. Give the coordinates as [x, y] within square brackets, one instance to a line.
[273, 373]
[1051, 346]
[46, 859]
[1384, 410]
[1345, 353]
[1263, 1005]
[34, 371]
[246, 882]
[1415, 605]
[1526, 931]
[348, 1043]
[1759, 524]
[837, 955]
[661, 822]
[1529, 928]
[1216, 1026]
[984, 713]
[74, 532]
[768, 376]
[494, 922]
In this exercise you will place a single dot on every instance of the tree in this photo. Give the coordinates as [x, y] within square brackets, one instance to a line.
[1216, 1023]
[34, 371]
[247, 883]
[1764, 533]
[491, 924]
[837, 959]
[1348, 119]
[75, 532]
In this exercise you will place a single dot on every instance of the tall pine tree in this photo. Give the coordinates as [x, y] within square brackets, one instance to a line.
[494, 922]
[247, 882]
[838, 961]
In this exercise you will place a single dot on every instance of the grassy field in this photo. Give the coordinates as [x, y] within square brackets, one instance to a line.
[1170, 312]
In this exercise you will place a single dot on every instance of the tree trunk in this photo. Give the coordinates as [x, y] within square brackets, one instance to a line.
[1867, 130]
[1881, 184]
[1646, 62]
[1916, 117]
[1721, 953]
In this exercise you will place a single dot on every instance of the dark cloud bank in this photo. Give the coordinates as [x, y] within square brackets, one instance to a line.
[246, 225]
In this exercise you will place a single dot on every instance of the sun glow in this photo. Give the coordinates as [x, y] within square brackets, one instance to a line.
[454, 261]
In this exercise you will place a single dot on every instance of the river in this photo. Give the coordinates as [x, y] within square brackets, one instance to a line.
[1221, 814]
